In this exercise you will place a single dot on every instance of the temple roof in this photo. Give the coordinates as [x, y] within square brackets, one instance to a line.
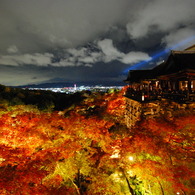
[138, 75]
[191, 48]
[176, 62]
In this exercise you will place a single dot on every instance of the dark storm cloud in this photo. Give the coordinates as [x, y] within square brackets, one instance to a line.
[173, 19]
[165, 16]
[21, 75]
[86, 38]
[36, 74]
[47, 23]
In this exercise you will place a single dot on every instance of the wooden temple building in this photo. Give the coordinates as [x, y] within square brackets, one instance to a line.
[173, 79]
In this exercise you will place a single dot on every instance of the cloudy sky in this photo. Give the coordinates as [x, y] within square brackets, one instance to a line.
[95, 41]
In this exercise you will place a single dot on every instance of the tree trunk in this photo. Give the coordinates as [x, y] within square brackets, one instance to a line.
[76, 187]
[183, 192]
[161, 187]
[129, 186]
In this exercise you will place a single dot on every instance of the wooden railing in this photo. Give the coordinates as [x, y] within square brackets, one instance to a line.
[144, 96]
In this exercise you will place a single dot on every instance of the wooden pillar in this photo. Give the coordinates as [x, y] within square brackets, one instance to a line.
[174, 85]
[148, 89]
[169, 86]
[189, 84]
[189, 88]
[177, 85]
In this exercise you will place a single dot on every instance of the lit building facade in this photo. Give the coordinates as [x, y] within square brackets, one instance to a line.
[173, 79]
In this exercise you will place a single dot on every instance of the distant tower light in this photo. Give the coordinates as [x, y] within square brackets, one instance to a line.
[75, 87]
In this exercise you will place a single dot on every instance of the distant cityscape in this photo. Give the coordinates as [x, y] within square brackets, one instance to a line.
[75, 88]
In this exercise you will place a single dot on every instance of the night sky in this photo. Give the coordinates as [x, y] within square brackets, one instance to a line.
[91, 41]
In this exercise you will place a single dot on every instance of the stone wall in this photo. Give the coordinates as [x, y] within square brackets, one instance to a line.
[133, 112]
[136, 110]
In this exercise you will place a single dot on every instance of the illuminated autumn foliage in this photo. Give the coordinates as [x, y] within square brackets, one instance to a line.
[81, 151]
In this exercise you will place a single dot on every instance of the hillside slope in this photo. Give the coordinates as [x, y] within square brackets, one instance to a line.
[88, 149]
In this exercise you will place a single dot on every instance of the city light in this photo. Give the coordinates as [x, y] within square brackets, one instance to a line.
[75, 88]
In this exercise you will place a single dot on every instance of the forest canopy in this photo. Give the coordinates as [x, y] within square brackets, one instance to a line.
[86, 148]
